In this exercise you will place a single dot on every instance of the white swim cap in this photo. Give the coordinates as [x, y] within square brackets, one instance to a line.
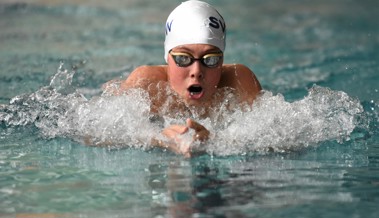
[194, 22]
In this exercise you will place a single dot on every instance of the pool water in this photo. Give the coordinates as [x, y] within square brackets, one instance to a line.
[309, 146]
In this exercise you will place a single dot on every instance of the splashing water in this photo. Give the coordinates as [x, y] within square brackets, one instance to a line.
[271, 124]
[276, 125]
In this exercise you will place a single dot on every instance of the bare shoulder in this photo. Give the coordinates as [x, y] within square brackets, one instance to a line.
[237, 71]
[144, 75]
[241, 78]
[234, 75]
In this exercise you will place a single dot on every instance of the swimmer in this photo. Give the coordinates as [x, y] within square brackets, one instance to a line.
[194, 52]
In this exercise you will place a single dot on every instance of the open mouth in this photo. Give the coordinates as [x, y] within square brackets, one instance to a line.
[196, 91]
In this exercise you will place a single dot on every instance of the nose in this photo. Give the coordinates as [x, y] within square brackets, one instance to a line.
[196, 70]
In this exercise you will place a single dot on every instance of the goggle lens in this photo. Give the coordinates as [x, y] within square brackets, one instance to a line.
[208, 60]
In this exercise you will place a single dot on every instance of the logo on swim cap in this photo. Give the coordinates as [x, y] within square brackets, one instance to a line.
[194, 22]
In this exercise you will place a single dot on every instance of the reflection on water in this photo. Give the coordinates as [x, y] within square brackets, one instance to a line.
[261, 185]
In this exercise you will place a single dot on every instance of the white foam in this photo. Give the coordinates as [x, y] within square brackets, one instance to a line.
[276, 125]
[271, 124]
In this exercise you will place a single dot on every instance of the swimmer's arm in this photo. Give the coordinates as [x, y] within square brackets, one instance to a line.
[172, 141]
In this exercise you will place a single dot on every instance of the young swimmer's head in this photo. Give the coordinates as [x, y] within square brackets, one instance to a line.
[194, 22]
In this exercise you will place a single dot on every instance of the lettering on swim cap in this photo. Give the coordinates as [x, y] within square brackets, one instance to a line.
[216, 23]
[168, 27]
[213, 22]
[194, 22]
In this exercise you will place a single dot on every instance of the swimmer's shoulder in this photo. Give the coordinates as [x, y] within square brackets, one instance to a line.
[156, 72]
[237, 69]
[237, 73]
[241, 78]
[145, 75]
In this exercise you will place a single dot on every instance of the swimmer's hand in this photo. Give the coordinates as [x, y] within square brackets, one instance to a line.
[177, 143]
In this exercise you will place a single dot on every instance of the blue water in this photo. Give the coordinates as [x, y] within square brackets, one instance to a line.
[309, 147]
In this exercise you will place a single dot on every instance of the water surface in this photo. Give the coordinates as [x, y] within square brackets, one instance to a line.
[308, 148]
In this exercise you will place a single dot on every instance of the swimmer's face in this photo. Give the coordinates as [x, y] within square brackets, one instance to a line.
[195, 83]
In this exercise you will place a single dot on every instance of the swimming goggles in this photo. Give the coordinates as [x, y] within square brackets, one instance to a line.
[184, 60]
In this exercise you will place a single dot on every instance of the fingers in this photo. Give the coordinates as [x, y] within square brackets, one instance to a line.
[174, 130]
[181, 145]
[176, 144]
[201, 133]
[195, 125]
